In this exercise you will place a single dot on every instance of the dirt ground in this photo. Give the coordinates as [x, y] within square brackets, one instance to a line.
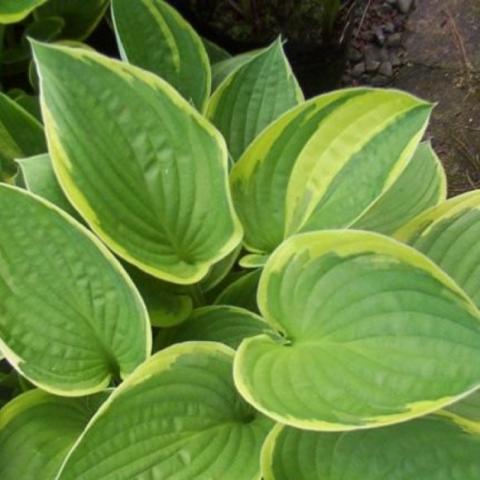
[442, 40]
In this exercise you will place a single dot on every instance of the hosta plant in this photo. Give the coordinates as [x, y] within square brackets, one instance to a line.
[228, 282]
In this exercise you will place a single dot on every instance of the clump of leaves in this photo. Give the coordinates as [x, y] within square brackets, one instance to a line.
[310, 297]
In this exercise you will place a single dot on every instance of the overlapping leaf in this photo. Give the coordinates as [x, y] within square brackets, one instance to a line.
[225, 67]
[242, 292]
[80, 16]
[374, 333]
[154, 36]
[224, 324]
[215, 53]
[177, 416]
[39, 178]
[12, 11]
[37, 430]
[167, 304]
[253, 96]
[21, 135]
[113, 134]
[449, 234]
[430, 448]
[71, 318]
[466, 412]
[421, 185]
[325, 163]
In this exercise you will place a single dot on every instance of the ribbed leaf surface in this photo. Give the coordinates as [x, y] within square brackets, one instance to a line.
[449, 234]
[323, 164]
[178, 416]
[421, 185]
[154, 36]
[71, 319]
[374, 334]
[253, 96]
[144, 169]
[37, 430]
[430, 448]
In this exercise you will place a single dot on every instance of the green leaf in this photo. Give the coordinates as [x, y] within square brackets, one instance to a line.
[253, 260]
[224, 324]
[325, 163]
[154, 36]
[12, 11]
[71, 318]
[224, 68]
[449, 234]
[40, 179]
[375, 334]
[37, 430]
[253, 96]
[167, 304]
[178, 416]
[219, 271]
[466, 412]
[242, 292]
[215, 52]
[81, 16]
[29, 103]
[429, 448]
[21, 135]
[44, 29]
[421, 185]
[138, 184]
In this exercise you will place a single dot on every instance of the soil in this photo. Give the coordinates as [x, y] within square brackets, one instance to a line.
[441, 43]
[376, 51]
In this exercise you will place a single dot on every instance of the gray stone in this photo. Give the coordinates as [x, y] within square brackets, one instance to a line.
[355, 55]
[394, 40]
[395, 60]
[372, 65]
[379, 36]
[386, 69]
[384, 56]
[358, 70]
[404, 5]
[389, 27]
[372, 52]
[379, 81]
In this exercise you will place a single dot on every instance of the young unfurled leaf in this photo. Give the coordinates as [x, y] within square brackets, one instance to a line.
[449, 234]
[420, 186]
[113, 134]
[154, 36]
[430, 448]
[71, 318]
[37, 430]
[253, 96]
[325, 163]
[375, 333]
[21, 135]
[12, 11]
[177, 416]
